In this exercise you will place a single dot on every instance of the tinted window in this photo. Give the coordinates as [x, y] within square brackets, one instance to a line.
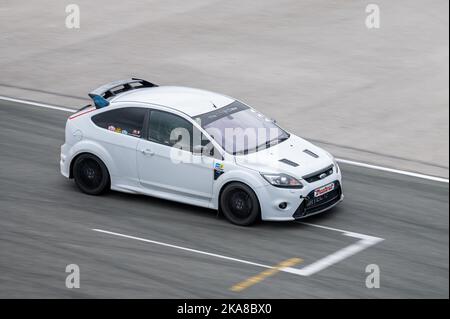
[128, 121]
[209, 149]
[240, 129]
[169, 129]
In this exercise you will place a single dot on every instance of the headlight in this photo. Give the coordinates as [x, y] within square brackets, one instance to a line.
[334, 162]
[282, 180]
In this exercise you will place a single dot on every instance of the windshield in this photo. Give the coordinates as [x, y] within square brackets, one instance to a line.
[240, 129]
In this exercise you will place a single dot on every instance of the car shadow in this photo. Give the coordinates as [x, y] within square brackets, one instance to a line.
[162, 204]
[321, 218]
[143, 201]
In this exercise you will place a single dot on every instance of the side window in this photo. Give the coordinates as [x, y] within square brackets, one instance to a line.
[170, 129]
[127, 121]
[209, 149]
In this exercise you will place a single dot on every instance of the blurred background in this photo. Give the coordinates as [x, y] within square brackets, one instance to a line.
[374, 95]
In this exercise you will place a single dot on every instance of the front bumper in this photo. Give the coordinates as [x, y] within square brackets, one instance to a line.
[300, 203]
[311, 206]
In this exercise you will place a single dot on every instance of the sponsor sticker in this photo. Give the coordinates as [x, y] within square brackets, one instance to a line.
[112, 128]
[218, 170]
[323, 190]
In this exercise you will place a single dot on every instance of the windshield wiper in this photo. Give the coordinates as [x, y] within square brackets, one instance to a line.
[277, 139]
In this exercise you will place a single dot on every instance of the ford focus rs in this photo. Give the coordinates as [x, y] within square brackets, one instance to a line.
[199, 148]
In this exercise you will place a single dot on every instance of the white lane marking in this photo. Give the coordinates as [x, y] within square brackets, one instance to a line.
[392, 170]
[364, 243]
[344, 253]
[181, 248]
[348, 162]
[52, 107]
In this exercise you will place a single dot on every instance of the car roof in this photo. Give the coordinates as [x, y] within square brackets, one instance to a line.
[187, 100]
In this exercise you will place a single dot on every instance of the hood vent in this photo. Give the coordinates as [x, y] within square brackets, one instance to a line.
[311, 153]
[288, 162]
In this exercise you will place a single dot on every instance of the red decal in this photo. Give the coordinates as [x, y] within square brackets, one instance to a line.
[79, 114]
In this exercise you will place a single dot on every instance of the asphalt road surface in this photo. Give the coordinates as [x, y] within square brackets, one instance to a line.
[46, 224]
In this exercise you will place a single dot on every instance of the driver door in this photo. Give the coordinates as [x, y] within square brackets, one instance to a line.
[167, 164]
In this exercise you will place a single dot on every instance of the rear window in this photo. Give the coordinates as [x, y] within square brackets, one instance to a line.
[127, 121]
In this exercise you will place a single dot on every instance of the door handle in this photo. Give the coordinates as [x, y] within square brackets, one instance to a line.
[147, 151]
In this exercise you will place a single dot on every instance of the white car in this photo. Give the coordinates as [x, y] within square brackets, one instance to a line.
[199, 148]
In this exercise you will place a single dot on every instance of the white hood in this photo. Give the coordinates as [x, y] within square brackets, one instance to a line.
[293, 150]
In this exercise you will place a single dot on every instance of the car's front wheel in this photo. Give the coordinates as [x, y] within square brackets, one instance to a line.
[239, 204]
[90, 174]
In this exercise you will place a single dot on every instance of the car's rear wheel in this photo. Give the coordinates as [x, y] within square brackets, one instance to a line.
[90, 174]
[239, 204]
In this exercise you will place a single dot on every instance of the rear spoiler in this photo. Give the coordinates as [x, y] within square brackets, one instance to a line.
[101, 95]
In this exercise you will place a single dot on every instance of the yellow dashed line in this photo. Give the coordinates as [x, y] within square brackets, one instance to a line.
[266, 273]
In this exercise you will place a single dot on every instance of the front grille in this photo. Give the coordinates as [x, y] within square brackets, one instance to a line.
[317, 176]
[315, 204]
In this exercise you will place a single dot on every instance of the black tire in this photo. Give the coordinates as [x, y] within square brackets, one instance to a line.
[239, 204]
[91, 174]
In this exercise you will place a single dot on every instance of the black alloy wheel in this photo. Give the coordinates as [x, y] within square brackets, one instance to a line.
[239, 204]
[90, 174]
